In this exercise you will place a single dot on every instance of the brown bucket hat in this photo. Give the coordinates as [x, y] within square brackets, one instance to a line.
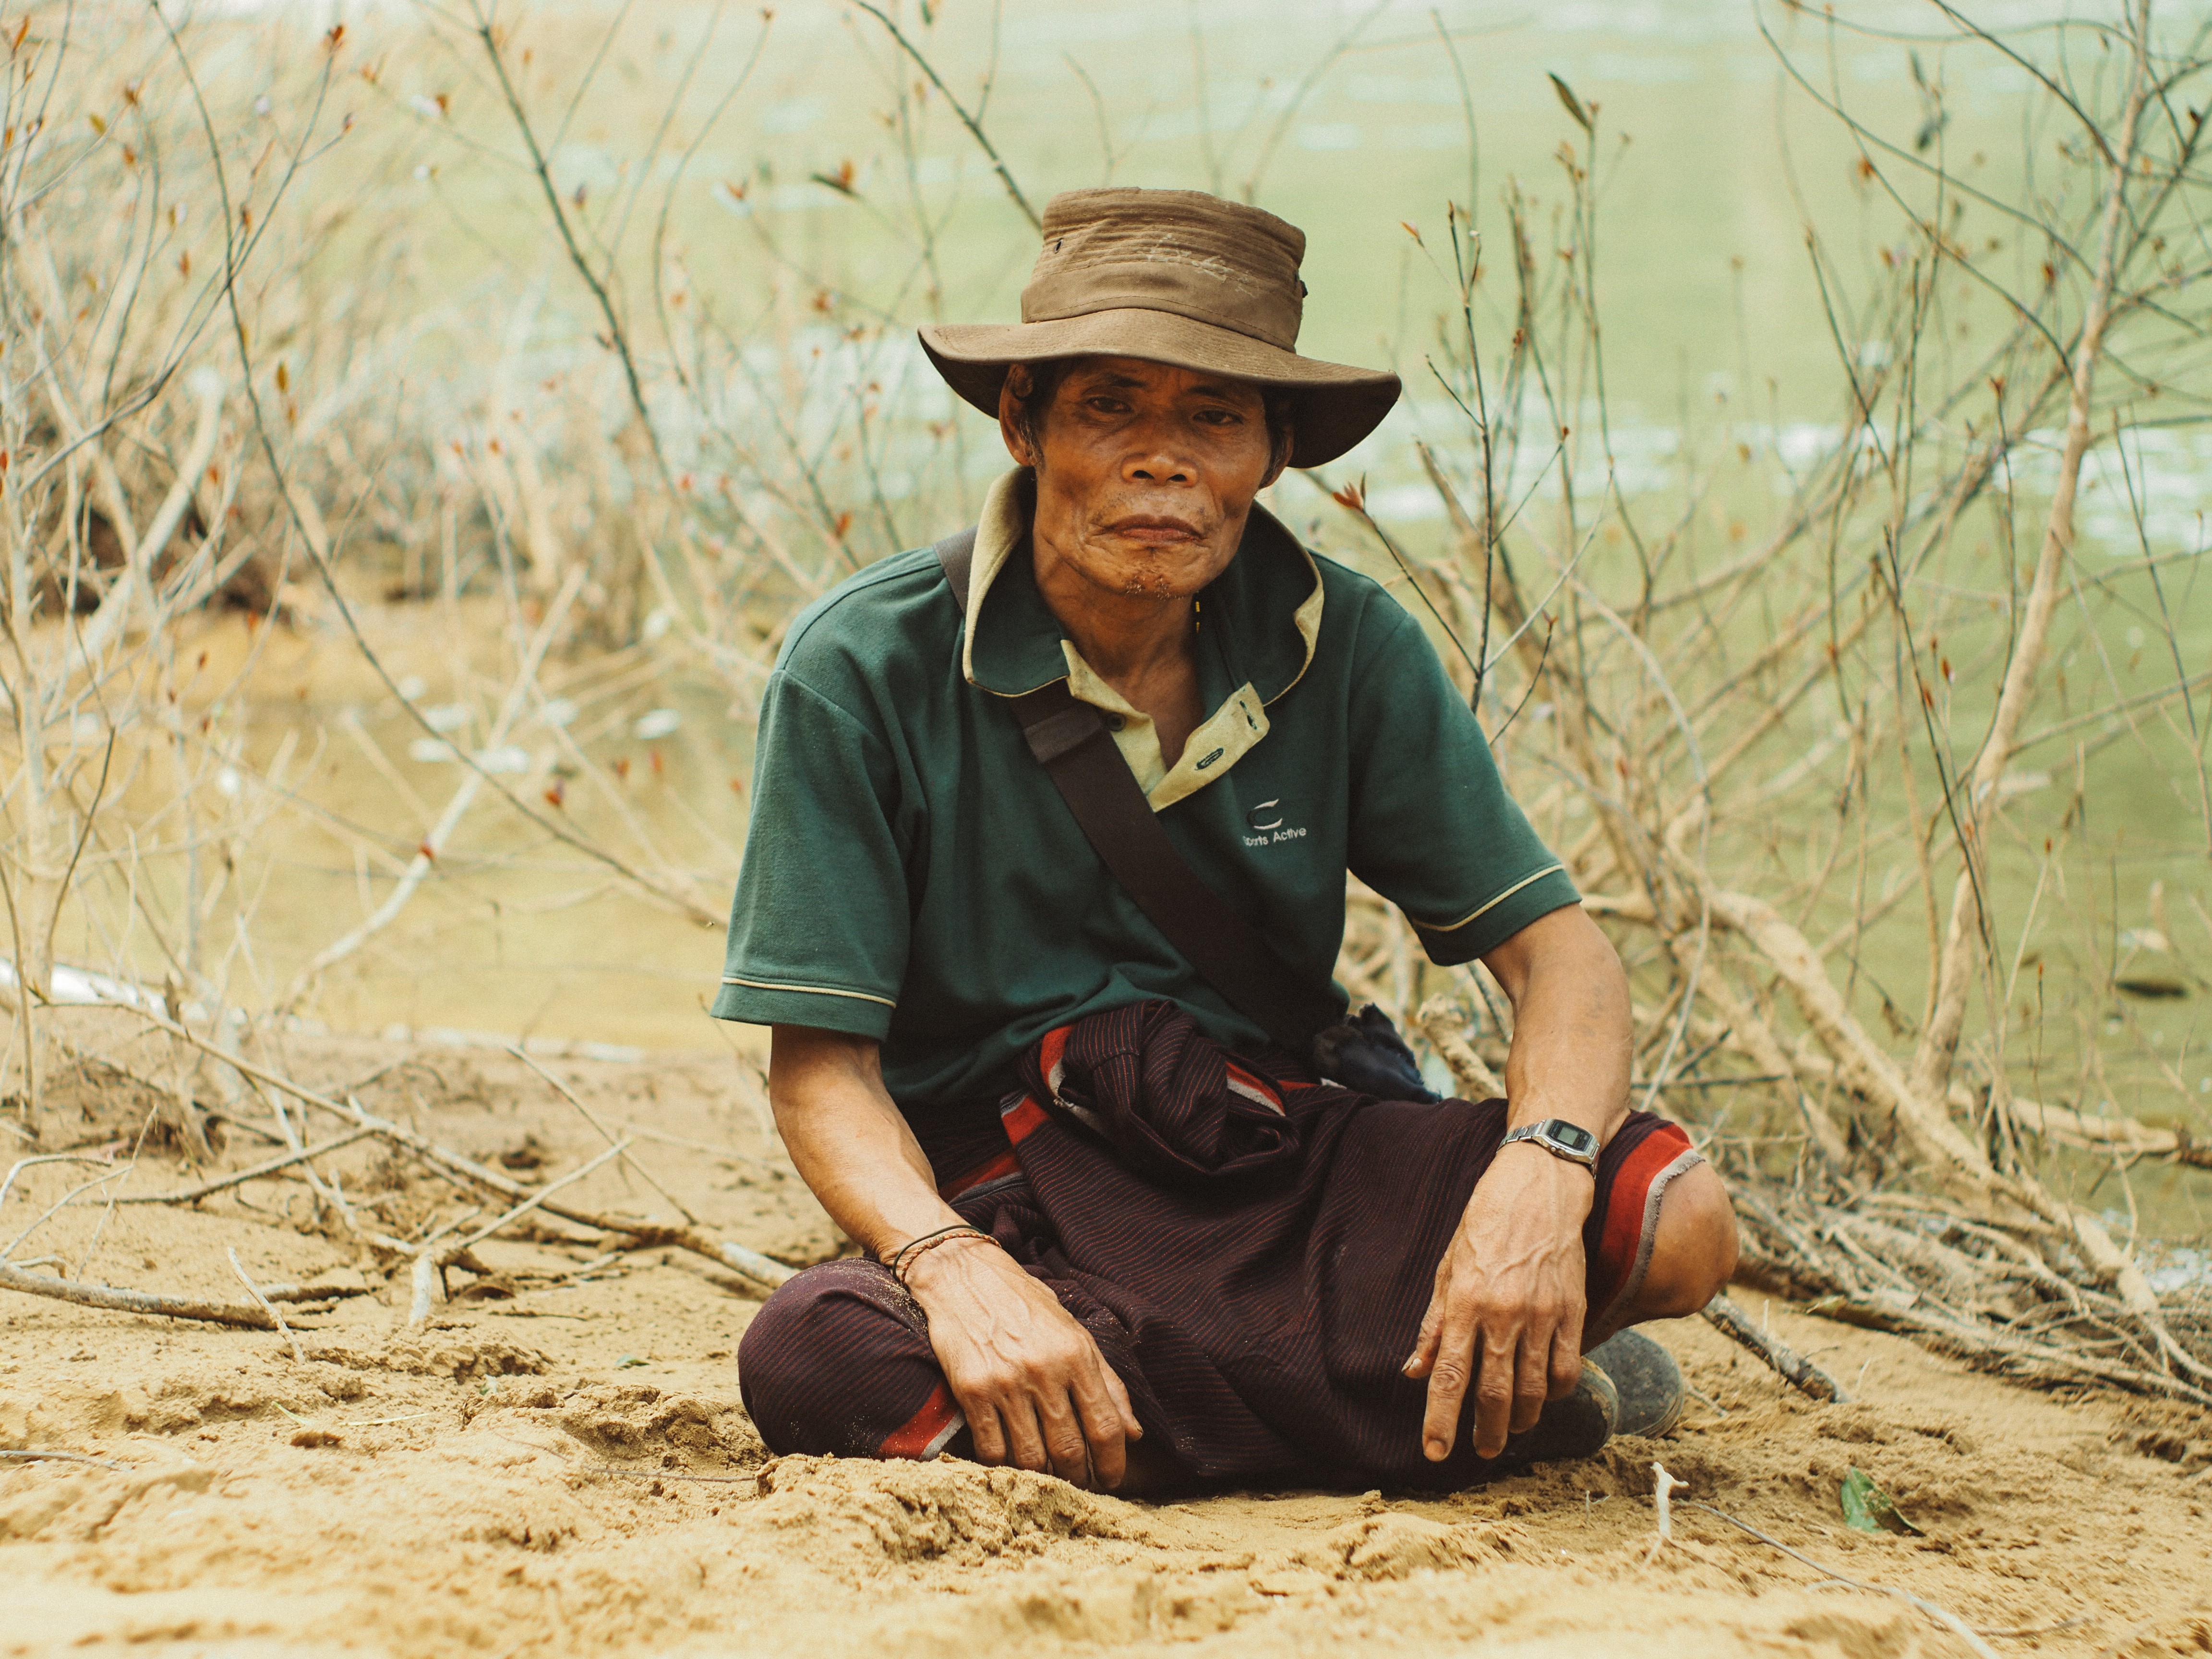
[1173, 276]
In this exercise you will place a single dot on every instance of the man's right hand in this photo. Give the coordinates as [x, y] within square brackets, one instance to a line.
[1037, 1392]
[1032, 1384]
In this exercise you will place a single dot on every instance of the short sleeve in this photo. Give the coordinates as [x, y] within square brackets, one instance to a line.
[1433, 829]
[818, 930]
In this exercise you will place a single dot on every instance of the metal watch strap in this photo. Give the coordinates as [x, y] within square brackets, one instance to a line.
[1546, 1134]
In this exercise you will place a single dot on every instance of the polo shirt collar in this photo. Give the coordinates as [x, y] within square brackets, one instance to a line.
[1266, 607]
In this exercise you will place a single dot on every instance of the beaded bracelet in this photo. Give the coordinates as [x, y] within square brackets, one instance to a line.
[913, 1249]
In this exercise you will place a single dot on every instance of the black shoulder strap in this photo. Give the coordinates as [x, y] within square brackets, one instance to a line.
[956, 553]
[1070, 742]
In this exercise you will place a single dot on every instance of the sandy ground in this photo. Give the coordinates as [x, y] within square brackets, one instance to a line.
[559, 1464]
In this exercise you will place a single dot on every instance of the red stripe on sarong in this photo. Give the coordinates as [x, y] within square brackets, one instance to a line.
[1627, 1207]
[1005, 1164]
[924, 1434]
[1237, 1074]
[1050, 1047]
[1022, 1120]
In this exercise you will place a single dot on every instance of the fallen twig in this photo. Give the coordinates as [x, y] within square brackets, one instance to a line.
[62, 1457]
[605, 1133]
[751, 1264]
[453, 1252]
[138, 1302]
[430, 1262]
[326, 1191]
[1950, 1620]
[1729, 1321]
[644, 1234]
[237, 1178]
[21, 1164]
[267, 1306]
[425, 1289]
[63, 1203]
[314, 1293]
[1662, 1498]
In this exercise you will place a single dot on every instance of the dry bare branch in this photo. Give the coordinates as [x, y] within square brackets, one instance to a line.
[1731, 1321]
[139, 1302]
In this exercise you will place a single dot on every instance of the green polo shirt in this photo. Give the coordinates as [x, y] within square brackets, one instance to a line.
[912, 875]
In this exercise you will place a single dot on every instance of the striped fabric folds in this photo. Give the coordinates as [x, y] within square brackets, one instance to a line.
[1252, 1250]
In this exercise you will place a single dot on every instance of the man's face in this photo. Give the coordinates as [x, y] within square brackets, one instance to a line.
[1146, 472]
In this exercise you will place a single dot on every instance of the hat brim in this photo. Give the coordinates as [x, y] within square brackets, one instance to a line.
[1334, 405]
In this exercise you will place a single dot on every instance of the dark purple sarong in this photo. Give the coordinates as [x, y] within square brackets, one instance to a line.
[1251, 1251]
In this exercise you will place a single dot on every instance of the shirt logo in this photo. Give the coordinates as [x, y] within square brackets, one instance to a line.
[1267, 820]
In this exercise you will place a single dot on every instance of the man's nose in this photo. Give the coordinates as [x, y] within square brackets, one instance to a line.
[1156, 458]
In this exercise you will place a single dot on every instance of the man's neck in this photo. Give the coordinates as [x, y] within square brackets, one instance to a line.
[1128, 638]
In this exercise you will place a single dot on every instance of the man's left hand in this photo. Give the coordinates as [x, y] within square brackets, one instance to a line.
[1507, 1312]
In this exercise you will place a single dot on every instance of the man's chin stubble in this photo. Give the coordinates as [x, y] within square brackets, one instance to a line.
[1143, 584]
[1148, 576]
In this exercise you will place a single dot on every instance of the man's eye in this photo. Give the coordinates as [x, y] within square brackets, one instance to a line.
[1219, 417]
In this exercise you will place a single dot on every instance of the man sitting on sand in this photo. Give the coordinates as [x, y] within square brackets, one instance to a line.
[1043, 893]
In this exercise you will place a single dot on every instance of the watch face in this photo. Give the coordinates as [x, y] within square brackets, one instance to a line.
[1572, 1137]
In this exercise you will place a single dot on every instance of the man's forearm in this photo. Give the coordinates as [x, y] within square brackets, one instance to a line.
[1572, 1029]
[848, 1141]
[1508, 1306]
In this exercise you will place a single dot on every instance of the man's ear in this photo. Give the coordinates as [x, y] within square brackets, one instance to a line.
[1011, 389]
[1279, 456]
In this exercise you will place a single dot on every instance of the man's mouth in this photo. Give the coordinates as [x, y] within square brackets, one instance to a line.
[1155, 531]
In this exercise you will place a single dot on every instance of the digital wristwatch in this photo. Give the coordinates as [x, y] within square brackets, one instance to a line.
[1561, 1139]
